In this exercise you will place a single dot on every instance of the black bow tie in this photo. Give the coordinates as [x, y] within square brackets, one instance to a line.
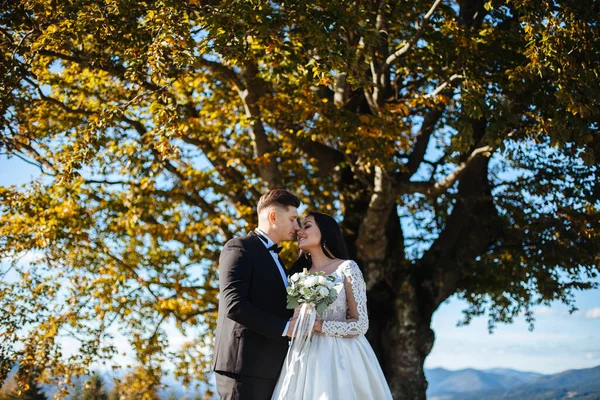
[274, 247]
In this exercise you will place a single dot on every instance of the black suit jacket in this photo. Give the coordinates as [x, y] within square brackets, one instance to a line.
[252, 311]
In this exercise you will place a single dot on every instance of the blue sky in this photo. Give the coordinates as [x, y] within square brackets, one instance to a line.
[559, 342]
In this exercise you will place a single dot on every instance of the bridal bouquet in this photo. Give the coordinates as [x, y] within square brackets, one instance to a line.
[316, 290]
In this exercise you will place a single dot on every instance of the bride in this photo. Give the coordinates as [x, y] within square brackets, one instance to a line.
[339, 363]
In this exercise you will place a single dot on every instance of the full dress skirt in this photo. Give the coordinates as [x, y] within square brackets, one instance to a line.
[339, 363]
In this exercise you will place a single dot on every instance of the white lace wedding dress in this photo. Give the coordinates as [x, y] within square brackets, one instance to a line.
[339, 363]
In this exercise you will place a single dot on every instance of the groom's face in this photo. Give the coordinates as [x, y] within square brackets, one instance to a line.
[286, 222]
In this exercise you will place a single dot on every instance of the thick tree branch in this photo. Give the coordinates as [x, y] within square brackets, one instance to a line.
[250, 87]
[422, 141]
[263, 149]
[451, 178]
[327, 158]
[224, 72]
[323, 92]
[438, 188]
[342, 90]
[372, 239]
[108, 182]
[444, 85]
[420, 29]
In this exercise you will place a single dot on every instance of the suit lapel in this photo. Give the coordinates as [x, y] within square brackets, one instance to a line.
[267, 255]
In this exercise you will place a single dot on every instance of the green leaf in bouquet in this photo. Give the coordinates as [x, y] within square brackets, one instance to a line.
[321, 307]
[292, 303]
[334, 291]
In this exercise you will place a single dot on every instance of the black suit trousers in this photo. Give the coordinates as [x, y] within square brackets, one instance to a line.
[242, 387]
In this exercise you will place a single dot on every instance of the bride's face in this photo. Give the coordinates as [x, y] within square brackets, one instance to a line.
[309, 235]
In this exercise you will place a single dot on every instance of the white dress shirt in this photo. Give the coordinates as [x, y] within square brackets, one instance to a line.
[279, 266]
[274, 255]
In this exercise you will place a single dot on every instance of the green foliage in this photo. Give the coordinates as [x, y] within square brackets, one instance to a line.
[158, 124]
[93, 389]
[28, 389]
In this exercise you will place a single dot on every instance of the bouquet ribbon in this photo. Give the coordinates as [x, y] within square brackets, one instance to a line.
[301, 335]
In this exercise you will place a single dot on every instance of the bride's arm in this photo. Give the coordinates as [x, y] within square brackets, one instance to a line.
[357, 322]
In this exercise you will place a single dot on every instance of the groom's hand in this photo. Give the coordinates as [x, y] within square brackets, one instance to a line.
[291, 326]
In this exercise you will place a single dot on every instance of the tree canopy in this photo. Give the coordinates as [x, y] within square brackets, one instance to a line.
[456, 141]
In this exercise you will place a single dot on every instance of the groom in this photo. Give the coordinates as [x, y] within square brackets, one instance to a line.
[253, 324]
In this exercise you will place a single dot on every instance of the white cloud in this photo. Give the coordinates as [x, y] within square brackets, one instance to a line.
[593, 313]
[544, 311]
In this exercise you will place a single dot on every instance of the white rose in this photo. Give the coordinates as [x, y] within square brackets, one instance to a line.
[310, 281]
[321, 280]
[323, 291]
[295, 277]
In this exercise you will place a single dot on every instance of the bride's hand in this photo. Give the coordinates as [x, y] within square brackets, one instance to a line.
[318, 326]
[297, 312]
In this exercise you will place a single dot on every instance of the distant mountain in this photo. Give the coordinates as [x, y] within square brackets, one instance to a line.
[444, 383]
[507, 384]
[511, 372]
[584, 379]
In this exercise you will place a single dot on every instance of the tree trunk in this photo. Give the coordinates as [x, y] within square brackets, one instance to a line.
[399, 328]
[402, 339]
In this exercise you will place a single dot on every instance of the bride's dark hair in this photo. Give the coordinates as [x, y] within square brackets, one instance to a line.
[332, 241]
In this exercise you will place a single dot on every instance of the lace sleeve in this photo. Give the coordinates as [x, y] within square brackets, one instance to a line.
[358, 293]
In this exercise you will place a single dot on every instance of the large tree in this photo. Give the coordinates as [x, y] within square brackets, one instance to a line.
[456, 141]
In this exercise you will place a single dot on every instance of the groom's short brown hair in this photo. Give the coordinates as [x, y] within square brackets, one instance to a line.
[279, 197]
